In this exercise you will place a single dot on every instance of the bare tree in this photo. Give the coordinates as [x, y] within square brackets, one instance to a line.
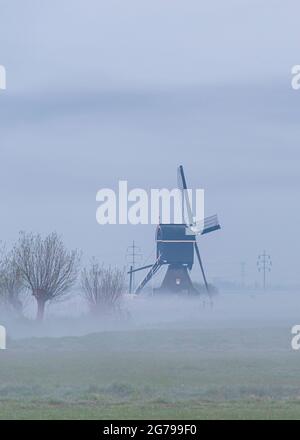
[11, 284]
[103, 287]
[2, 258]
[47, 269]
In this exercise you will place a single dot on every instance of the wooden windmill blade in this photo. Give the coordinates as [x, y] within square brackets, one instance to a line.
[208, 224]
[201, 266]
[182, 185]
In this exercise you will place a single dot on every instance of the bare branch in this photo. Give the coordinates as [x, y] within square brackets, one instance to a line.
[102, 287]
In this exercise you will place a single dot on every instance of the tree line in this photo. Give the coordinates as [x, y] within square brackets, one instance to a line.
[44, 268]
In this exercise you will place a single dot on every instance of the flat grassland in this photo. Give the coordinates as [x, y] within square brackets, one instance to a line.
[228, 373]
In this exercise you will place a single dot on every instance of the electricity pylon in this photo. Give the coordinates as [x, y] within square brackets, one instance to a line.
[264, 265]
[133, 255]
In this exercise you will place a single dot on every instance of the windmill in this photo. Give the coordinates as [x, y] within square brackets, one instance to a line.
[176, 246]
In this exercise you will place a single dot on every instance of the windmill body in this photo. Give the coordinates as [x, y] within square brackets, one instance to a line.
[175, 248]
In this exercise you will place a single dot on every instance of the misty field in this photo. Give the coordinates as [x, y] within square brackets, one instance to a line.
[183, 373]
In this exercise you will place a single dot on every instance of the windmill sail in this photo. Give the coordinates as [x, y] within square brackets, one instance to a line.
[210, 224]
[185, 196]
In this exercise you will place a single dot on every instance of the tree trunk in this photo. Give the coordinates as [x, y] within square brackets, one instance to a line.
[40, 309]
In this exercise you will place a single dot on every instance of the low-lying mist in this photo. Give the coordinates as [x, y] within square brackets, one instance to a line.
[226, 310]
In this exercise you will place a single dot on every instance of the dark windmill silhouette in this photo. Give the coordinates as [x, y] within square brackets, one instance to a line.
[176, 246]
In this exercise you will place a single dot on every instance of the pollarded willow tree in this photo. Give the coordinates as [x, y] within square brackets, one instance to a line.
[103, 287]
[46, 267]
[2, 258]
[11, 284]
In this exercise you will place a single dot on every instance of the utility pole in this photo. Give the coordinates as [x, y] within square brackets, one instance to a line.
[133, 254]
[264, 265]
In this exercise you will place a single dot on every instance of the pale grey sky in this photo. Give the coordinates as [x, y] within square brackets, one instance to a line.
[105, 90]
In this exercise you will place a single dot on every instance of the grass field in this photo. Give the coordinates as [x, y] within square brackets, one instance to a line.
[188, 374]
